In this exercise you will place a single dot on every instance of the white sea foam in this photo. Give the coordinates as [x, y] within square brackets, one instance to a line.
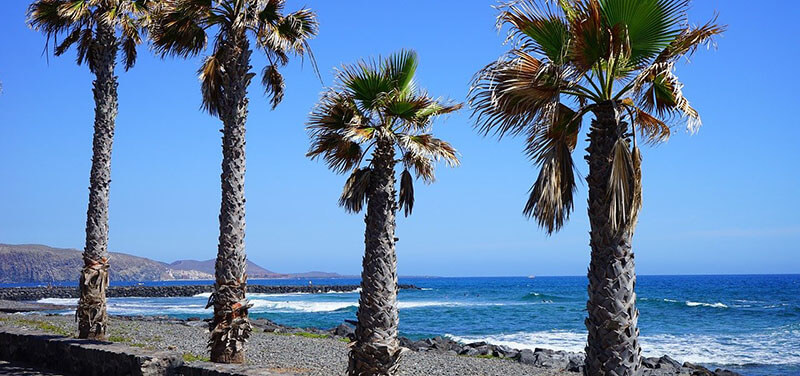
[719, 349]
[357, 290]
[59, 301]
[701, 304]
[299, 306]
[202, 295]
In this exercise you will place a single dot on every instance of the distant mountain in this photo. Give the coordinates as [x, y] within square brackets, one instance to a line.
[207, 266]
[41, 264]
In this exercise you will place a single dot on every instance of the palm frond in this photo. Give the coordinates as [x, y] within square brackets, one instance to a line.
[399, 69]
[180, 27]
[365, 83]
[662, 93]
[509, 95]
[406, 200]
[623, 194]
[651, 24]
[690, 39]
[422, 166]
[551, 197]
[274, 84]
[335, 112]
[354, 194]
[431, 147]
[539, 27]
[339, 152]
[211, 83]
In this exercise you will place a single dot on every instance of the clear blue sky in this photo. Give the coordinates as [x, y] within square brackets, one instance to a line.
[722, 201]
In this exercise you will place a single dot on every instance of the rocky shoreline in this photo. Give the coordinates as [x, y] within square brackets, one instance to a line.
[323, 352]
[540, 358]
[36, 293]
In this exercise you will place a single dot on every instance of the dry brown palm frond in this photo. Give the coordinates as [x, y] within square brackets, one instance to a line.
[273, 83]
[652, 129]
[340, 153]
[510, 94]
[431, 147]
[691, 39]
[335, 112]
[406, 197]
[354, 194]
[422, 166]
[623, 197]
[551, 197]
[211, 83]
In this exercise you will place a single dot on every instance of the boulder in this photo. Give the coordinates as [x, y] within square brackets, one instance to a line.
[344, 330]
[526, 357]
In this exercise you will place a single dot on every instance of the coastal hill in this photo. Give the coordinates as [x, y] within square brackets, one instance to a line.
[31, 263]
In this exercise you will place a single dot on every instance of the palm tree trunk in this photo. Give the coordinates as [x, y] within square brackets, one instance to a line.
[230, 326]
[613, 343]
[375, 351]
[91, 313]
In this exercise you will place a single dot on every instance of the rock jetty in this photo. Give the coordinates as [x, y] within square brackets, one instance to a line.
[36, 293]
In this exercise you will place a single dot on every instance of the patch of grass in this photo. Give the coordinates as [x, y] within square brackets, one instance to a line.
[311, 335]
[304, 334]
[344, 339]
[126, 340]
[119, 339]
[44, 326]
[189, 357]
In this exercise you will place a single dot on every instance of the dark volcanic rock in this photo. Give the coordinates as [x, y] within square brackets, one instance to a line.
[36, 293]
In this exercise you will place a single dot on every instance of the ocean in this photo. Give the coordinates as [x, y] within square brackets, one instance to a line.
[746, 323]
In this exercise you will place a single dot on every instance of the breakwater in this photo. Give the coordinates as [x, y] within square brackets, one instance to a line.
[36, 293]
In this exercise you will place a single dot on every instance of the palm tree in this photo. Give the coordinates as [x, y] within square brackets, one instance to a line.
[98, 29]
[376, 105]
[615, 59]
[181, 30]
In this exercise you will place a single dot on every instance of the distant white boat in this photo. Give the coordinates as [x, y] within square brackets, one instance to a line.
[531, 276]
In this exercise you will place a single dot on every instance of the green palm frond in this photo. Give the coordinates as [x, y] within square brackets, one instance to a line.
[365, 83]
[399, 69]
[651, 24]
[539, 27]
[376, 104]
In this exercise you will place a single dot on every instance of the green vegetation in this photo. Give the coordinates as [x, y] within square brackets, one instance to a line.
[189, 357]
[41, 325]
[304, 334]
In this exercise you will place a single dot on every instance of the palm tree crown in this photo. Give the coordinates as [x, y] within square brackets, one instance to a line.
[77, 22]
[183, 28]
[569, 58]
[377, 100]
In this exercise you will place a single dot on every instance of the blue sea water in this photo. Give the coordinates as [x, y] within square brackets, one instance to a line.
[746, 323]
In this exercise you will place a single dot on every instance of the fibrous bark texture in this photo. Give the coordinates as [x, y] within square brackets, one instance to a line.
[613, 342]
[230, 326]
[375, 351]
[91, 313]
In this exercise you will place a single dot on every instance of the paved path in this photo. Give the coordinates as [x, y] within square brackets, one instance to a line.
[14, 368]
